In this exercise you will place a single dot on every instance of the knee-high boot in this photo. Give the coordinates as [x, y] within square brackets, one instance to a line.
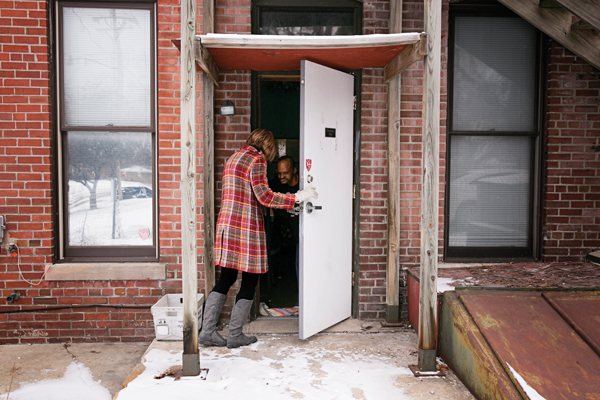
[212, 309]
[239, 314]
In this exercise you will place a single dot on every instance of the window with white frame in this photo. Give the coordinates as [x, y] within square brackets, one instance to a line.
[107, 130]
[492, 137]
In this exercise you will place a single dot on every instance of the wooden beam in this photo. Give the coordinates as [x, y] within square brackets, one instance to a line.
[407, 57]
[392, 293]
[556, 23]
[189, 258]
[205, 61]
[208, 16]
[546, 3]
[209, 80]
[208, 96]
[580, 25]
[587, 10]
[430, 187]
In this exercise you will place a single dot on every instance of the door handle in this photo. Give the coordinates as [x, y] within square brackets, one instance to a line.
[310, 207]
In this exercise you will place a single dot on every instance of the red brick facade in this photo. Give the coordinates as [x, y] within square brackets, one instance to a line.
[570, 190]
[572, 167]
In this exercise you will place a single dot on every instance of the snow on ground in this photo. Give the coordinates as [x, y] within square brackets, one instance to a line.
[76, 384]
[245, 373]
[94, 227]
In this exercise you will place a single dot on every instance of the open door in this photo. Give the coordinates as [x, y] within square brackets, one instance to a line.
[326, 140]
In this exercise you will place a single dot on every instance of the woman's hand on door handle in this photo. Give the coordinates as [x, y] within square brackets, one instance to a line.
[305, 194]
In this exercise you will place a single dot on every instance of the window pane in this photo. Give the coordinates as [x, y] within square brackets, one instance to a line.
[489, 191]
[494, 75]
[110, 189]
[107, 67]
[306, 23]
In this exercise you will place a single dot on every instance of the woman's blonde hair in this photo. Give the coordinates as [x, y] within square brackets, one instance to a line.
[263, 140]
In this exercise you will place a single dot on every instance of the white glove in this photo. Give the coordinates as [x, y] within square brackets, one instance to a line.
[305, 194]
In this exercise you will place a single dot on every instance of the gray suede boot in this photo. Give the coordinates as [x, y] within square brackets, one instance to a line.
[212, 309]
[239, 314]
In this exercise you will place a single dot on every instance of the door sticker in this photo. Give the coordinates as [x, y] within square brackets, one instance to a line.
[308, 164]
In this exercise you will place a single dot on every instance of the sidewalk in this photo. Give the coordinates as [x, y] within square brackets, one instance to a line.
[353, 360]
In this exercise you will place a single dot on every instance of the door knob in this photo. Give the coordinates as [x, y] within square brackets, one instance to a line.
[310, 207]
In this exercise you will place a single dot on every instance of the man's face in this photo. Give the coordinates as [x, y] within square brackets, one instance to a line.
[285, 172]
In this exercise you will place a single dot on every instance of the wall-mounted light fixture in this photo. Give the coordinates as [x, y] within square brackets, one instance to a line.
[227, 109]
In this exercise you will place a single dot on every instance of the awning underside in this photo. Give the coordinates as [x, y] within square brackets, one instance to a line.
[394, 52]
[289, 59]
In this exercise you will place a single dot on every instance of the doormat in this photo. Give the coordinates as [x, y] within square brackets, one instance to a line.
[265, 311]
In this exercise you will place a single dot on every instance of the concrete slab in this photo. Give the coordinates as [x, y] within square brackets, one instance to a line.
[109, 363]
[352, 365]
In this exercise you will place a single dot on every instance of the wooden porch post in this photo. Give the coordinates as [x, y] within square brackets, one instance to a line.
[208, 90]
[430, 188]
[393, 260]
[189, 259]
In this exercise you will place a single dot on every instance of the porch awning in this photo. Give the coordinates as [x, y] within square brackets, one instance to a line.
[394, 52]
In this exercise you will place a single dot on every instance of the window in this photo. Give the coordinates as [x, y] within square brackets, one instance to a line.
[492, 137]
[107, 131]
[307, 18]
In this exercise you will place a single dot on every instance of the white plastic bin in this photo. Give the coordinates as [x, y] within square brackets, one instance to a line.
[168, 316]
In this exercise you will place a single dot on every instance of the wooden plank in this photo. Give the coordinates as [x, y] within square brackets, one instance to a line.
[208, 96]
[208, 16]
[208, 100]
[556, 23]
[430, 187]
[407, 57]
[587, 10]
[392, 293]
[223, 40]
[189, 263]
[205, 61]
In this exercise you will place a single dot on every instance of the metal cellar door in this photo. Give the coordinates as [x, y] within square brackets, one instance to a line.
[326, 126]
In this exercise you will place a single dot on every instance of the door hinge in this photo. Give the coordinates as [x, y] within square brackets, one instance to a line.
[352, 278]
[354, 103]
[354, 191]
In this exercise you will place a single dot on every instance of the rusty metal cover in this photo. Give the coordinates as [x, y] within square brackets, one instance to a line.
[526, 333]
[581, 310]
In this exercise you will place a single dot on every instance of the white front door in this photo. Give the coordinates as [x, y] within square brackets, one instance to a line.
[326, 133]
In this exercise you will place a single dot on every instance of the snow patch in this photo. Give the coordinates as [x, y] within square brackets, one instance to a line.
[443, 285]
[529, 391]
[77, 383]
[250, 374]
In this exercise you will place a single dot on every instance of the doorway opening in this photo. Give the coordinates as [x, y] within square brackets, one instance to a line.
[278, 110]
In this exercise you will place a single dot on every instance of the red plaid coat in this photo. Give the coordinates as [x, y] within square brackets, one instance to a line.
[240, 240]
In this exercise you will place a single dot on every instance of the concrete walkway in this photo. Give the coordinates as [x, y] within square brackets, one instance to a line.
[353, 360]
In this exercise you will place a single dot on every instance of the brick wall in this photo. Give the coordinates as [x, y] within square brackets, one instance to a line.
[571, 191]
[571, 223]
[373, 233]
[27, 190]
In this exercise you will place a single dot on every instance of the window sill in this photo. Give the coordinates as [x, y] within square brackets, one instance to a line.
[106, 271]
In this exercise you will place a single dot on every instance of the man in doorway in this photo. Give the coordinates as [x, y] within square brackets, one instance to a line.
[287, 224]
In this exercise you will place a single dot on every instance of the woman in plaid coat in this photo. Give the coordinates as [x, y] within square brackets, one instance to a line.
[240, 243]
